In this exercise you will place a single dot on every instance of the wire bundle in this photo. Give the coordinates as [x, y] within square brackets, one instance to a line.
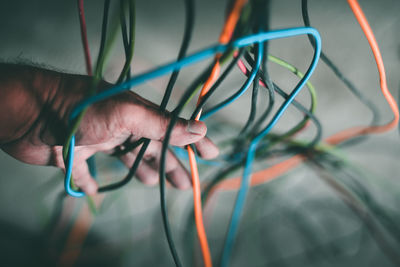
[245, 37]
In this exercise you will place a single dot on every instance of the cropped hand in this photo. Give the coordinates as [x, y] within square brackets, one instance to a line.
[36, 107]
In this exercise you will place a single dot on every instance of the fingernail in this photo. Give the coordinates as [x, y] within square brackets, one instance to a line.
[195, 127]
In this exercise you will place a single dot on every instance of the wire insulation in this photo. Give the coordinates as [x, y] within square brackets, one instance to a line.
[279, 169]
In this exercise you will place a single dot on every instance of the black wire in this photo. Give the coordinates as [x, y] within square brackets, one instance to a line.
[130, 174]
[369, 221]
[240, 143]
[227, 100]
[241, 29]
[232, 166]
[271, 94]
[103, 35]
[387, 221]
[238, 31]
[189, 6]
[126, 43]
[164, 212]
[226, 72]
[299, 106]
[295, 103]
[318, 135]
[173, 119]
[253, 107]
[261, 18]
[184, 46]
[363, 214]
[264, 18]
[340, 75]
[124, 30]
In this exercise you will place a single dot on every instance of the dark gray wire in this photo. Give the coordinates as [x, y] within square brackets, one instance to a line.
[299, 106]
[338, 73]
[264, 17]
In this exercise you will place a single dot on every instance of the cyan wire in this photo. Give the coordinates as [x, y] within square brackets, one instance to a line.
[190, 60]
[233, 97]
[170, 67]
[229, 241]
[105, 46]
[68, 171]
[245, 183]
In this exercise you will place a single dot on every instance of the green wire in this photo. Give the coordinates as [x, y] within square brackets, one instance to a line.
[131, 49]
[243, 28]
[311, 90]
[104, 52]
[224, 59]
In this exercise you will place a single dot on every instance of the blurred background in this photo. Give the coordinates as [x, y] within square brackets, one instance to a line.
[296, 220]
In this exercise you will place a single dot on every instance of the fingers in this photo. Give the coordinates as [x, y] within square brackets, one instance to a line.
[83, 179]
[80, 171]
[206, 148]
[177, 174]
[148, 170]
[145, 173]
[146, 120]
[175, 171]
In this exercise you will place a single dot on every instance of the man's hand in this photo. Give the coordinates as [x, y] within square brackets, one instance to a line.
[36, 104]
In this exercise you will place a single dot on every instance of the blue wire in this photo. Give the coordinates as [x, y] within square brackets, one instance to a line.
[232, 98]
[239, 204]
[68, 171]
[245, 183]
[167, 68]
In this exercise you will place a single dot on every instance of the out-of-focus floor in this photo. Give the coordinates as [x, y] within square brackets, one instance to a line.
[296, 220]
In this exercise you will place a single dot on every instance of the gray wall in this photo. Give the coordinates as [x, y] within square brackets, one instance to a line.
[294, 221]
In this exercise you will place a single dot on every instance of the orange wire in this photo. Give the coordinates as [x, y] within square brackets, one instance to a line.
[225, 36]
[281, 168]
[78, 234]
[198, 213]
